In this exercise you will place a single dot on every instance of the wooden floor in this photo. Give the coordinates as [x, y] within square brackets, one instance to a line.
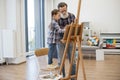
[95, 70]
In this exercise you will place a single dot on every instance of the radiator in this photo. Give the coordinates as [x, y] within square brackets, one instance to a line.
[9, 43]
[11, 48]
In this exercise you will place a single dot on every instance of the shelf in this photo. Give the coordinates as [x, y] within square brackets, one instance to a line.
[108, 43]
[108, 33]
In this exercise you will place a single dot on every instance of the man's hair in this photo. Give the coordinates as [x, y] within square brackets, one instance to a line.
[62, 4]
[54, 12]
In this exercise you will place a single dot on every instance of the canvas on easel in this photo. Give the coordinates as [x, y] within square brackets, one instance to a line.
[67, 29]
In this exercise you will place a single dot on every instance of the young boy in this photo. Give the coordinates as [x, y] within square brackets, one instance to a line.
[53, 35]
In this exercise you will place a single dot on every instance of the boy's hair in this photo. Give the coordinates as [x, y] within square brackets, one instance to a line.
[62, 4]
[54, 12]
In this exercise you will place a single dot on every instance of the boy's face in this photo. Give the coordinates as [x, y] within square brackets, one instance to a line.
[57, 16]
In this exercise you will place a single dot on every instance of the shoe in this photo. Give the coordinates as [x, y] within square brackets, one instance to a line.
[52, 66]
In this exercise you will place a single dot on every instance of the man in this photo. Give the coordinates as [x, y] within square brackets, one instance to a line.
[66, 19]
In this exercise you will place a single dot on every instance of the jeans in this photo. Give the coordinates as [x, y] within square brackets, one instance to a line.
[60, 48]
[51, 51]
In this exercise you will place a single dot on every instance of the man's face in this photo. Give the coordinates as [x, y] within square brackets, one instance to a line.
[63, 10]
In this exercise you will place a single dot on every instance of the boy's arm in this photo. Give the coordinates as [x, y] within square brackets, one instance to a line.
[57, 27]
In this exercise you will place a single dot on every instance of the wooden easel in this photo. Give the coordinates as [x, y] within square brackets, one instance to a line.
[73, 34]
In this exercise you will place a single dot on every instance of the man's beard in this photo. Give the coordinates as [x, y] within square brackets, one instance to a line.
[64, 15]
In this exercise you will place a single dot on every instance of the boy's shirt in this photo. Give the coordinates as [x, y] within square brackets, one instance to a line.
[53, 34]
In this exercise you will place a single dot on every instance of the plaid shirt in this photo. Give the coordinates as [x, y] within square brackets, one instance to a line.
[63, 22]
[53, 34]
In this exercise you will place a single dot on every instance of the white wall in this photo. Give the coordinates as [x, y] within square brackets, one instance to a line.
[2, 14]
[104, 15]
[11, 14]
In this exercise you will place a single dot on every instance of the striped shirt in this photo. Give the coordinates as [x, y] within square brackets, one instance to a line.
[53, 34]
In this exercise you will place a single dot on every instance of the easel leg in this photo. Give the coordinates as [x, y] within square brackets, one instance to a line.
[81, 58]
[77, 65]
[65, 51]
[72, 63]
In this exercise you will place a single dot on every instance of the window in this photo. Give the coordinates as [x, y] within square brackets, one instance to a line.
[34, 24]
